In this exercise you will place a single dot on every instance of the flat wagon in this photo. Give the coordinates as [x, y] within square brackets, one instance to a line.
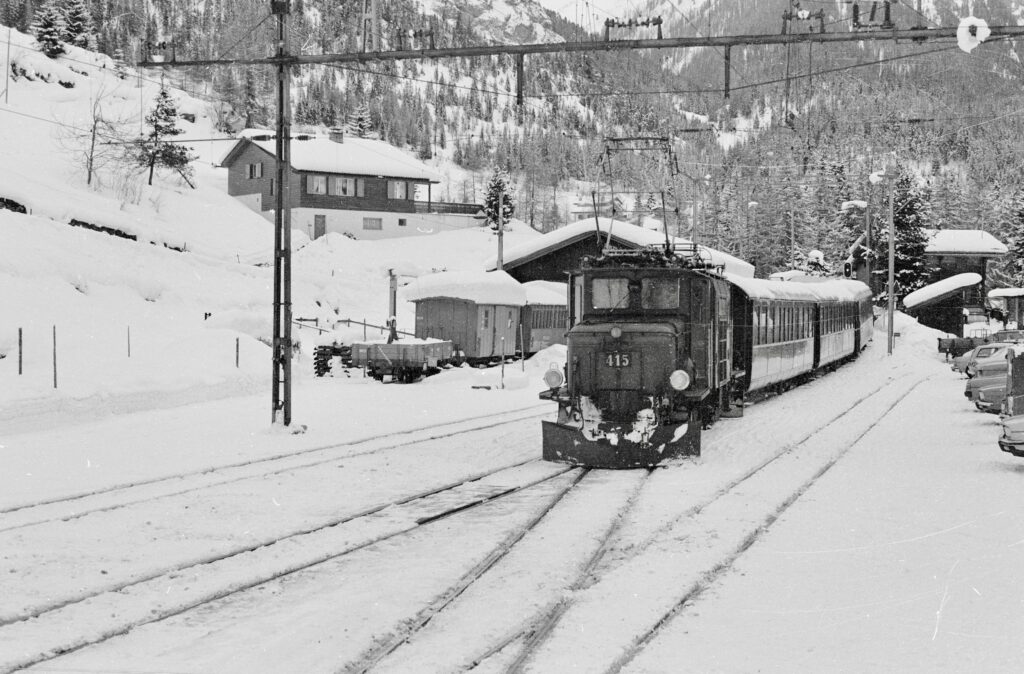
[403, 360]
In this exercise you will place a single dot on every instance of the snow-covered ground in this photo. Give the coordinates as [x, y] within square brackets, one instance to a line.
[153, 519]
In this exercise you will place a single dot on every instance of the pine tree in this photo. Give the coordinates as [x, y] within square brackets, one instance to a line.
[498, 189]
[154, 149]
[48, 28]
[79, 29]
[1013, 265]
[909, 217]
[360, 124]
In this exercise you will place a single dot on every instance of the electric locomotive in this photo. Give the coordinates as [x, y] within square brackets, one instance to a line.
[662, 344]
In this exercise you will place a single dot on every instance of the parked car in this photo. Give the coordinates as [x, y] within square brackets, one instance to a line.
[1007, 336]
[984, 352]
[960, 362]
[1012, 439]
[987, 389]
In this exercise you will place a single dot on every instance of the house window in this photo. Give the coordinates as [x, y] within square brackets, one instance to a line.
[346, 187]
[256, 170]
[373, 223]
[271, 187]
[316, 184]
[397, 189]
[401, 222]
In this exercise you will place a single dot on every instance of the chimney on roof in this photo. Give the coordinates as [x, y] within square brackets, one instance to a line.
[337, 134]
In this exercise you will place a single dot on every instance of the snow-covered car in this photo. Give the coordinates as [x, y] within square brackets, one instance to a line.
[1012, 438]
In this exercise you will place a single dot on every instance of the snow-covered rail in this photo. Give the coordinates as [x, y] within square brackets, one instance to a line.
[34, 633]
[116, 496]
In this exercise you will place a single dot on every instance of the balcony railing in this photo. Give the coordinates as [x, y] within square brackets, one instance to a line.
[447, 208]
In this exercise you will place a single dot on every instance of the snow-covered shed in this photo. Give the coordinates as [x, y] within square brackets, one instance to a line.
[963, 251]
[941, 305]
[479, 312]
[551, 256]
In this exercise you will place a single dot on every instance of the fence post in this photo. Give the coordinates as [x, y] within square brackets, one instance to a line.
[19, 350]
[236, 351]
[129, 341]
[55, 356]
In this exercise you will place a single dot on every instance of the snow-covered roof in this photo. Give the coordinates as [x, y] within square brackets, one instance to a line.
[546, 292]
[788, 275]
[822, 289]
[1006, 292]
[495, 287]
[623, 233]
[940, 289]
[353, 156]
[963, 242]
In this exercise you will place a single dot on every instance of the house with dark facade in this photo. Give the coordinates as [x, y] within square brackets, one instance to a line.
[361, 187]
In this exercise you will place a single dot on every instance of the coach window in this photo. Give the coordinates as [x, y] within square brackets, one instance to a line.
[609, 293]
[659, 293]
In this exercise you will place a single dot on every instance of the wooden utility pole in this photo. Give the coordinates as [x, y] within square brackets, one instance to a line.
[281, 399]
[501, 229]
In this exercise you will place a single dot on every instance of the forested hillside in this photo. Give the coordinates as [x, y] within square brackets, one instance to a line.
[769, 166]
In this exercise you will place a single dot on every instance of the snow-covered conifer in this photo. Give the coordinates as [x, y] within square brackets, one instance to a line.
[153, 149]
[498, 189]
[79, 29]
[909, 216]
[48, 28]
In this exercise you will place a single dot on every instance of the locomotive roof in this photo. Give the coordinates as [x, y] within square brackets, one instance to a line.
[841, 290]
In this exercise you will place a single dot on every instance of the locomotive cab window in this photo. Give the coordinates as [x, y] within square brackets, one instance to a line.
[659, 293]
[609, 293]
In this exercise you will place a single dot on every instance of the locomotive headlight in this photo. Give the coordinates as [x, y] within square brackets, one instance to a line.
[679, 380]
[553, 378]
[616, 332]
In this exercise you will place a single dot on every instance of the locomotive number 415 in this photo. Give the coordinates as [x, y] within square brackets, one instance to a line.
[617, 359]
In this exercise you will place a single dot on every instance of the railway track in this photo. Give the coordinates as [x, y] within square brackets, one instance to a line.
[605, 580]
[717, 532]
[37, 634]
[74, 506]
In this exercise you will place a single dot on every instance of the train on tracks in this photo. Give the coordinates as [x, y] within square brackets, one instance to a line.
[662, 344]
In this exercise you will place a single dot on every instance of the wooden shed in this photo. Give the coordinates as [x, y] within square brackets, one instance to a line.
[479, 312]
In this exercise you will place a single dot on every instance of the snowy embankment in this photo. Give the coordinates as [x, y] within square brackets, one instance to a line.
[160, 294]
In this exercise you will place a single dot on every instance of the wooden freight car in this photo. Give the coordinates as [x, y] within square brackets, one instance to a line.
[479, 312]
[545, 316]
